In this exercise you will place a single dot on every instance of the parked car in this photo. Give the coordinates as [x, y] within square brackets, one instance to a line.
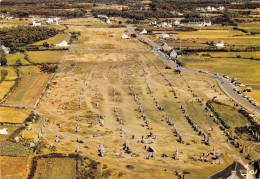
[237, 84]
[235, 89]
[239, 92]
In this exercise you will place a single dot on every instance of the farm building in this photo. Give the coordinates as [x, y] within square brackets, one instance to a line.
[143, 31]
[220, 44]
[199, 24]
[64, 43]
[108, 21]
[5, 49]
[36, 23]
[164, 36]
[235, 170]
[166, 47]
[3, 131]
[173, 54]
[125, 36]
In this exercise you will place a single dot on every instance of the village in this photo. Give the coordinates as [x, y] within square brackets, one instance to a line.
[102, 96]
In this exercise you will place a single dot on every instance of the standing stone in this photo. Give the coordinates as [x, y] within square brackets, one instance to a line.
[17, 140]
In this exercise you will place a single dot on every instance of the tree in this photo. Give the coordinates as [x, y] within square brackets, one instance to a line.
[4, 73]
[18, 62]
[45, 44]
[3, 59]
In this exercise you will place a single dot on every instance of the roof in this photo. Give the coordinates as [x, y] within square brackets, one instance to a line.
[225, 173]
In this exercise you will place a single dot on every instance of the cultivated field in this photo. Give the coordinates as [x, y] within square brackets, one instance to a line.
[13, 115]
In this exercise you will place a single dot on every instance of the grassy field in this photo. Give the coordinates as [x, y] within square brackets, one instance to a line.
[13, 115]
[55, 40]
[230, 115]
[30, 87]
[109, 63]
[45, 56]
[5, 87]
[114, 58]
[56, 168]
[14, 167]
[11, 58]
[245, 69]
[11, 73]
[12, 149]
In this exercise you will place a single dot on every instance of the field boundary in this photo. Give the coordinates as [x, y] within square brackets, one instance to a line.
[51, 155]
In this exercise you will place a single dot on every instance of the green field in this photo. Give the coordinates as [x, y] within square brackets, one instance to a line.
[56, 168]
[13, 115]
[5, 87]
[230, 115]
[11, 58]
[55, 40]
[45, 56]
[30, 87]
[11, 73]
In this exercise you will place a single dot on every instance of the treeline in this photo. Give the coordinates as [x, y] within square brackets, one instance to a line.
[24, 12]
[132, 14]
[22, 35]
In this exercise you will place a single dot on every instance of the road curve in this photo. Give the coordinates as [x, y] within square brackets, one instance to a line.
[225, 85]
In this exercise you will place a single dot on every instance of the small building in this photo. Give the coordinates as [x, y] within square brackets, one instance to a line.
[173, 54]
[64, 43]
[108, 21]
[36, 23]
[220, 44]
[165, 47]
[233, 171]
[176, 22]
[143, 31]
[5, 49]
[164, 36]
[125, 36]
[200, 24]
[50, 21]
[3, 131]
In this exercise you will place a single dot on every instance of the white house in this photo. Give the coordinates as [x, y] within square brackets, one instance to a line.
[220, 44]
[108, 21]
[173, 54]
[64, 43]
[177, 22]
[164, 36]
[143, 31]
[5, 49]
[125, 36]
[200, 24]
[221, 8]
[37, 23]
[50, 21]
[3, 131]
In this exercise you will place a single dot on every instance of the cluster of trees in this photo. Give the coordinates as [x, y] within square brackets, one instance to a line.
[134, 14]
[20, 36]
[4, 73]
[48, 69]
[3, 59]
[25, 11]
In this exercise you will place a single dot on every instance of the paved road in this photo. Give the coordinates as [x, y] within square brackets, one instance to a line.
[226, 86]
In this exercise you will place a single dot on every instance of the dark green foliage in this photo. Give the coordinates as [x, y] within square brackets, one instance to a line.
[3, 59]
[4, 73]
[22, 35]
[18, 62]
[47, 69]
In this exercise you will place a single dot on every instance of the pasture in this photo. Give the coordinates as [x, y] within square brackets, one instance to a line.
[14, 167]
[246, 70]
[30, 87]
[12, 58]
[13, 115]
[57, 168]
[46, 56]
[55, 40]
[5, 87]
